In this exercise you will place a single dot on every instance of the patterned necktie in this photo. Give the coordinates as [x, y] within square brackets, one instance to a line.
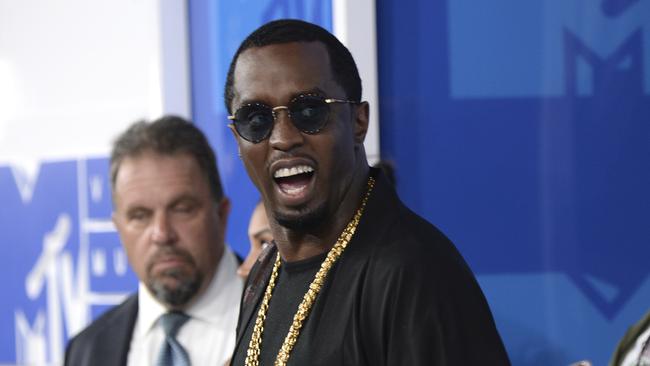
[171, 352]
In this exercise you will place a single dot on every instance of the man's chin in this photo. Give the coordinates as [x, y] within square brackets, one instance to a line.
[301, 220]
[175, 290]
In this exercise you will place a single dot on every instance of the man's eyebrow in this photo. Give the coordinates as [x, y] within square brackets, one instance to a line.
[314, 90]
[250, 101]
[184, 198]
[135, 207]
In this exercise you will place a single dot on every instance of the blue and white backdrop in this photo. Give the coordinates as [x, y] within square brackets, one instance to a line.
[521, 129]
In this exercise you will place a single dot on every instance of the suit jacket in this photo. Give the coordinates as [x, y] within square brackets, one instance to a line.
[628, 340]
[107, 340]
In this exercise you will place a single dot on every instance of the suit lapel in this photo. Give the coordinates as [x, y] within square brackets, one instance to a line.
[113, 349]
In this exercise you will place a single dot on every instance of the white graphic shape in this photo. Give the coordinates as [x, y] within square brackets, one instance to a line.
[99, 262]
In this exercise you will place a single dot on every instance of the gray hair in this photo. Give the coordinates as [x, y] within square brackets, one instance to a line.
[168, 135]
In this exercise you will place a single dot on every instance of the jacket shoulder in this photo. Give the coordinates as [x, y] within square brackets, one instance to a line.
[110, 332]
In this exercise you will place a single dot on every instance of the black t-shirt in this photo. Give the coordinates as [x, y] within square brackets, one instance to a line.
[400, 294]
[292, 283]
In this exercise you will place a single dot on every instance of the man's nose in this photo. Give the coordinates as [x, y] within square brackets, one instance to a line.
[285, 135]
[162, 230]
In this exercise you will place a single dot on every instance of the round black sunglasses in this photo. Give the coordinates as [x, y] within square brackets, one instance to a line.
[308, 112]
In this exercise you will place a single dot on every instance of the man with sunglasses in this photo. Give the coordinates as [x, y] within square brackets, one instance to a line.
[353, 277]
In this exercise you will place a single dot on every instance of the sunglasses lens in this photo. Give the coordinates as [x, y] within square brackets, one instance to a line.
[309, 114]
[253, 122]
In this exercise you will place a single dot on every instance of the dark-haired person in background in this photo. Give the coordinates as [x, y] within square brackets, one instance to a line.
[354, 277]
[259, 235]
[171, 215]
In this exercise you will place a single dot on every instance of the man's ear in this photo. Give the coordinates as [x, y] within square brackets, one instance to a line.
[116, 221]
[361, 120]
[232, 129]
[223, 209]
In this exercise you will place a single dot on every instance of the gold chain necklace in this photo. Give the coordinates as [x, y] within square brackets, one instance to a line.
[253, 354]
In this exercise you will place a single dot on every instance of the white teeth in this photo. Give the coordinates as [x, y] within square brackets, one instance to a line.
[294, 191]
[288, 172]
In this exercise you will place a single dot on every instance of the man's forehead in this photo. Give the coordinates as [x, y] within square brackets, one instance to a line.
[304, 51]
[143, 173]
[285, 69]
[151, 160]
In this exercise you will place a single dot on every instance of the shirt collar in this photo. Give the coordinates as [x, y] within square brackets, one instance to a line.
[224, 290]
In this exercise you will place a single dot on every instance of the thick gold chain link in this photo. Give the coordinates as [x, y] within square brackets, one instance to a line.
[253, 353]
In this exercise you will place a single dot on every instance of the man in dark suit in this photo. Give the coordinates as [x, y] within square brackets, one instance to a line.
[171, 215]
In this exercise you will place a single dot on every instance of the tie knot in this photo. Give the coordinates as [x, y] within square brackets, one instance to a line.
[172, 321]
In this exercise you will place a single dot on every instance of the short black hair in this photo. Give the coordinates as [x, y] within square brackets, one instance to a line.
[344, 69]
[169, 135]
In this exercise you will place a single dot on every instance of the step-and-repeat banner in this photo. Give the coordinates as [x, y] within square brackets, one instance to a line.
[62, 260]
[72, 75]
[521, 129]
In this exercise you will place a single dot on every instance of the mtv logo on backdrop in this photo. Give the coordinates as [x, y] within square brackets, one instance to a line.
[548, 48]
[65, 257]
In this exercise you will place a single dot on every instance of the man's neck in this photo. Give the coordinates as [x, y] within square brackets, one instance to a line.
[296, 245]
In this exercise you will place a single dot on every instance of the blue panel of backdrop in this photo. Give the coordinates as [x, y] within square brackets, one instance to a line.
[521, 129]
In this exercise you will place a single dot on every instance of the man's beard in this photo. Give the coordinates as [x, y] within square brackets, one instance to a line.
[303, 221]
[179, 294]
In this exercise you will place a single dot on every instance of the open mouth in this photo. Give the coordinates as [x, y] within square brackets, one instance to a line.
[294, 180]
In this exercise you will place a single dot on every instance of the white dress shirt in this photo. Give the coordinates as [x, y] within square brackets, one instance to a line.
[633, 354]
[208, 336]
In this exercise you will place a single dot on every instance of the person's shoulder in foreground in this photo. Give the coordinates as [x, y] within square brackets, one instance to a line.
[634, 348]
[171, 215]
[421, 301]
[109, 336]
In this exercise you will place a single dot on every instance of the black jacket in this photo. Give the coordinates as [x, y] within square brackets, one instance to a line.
[400, 294]
[106, 341]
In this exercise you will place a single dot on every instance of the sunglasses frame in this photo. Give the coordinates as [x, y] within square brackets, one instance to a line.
[274, 111]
